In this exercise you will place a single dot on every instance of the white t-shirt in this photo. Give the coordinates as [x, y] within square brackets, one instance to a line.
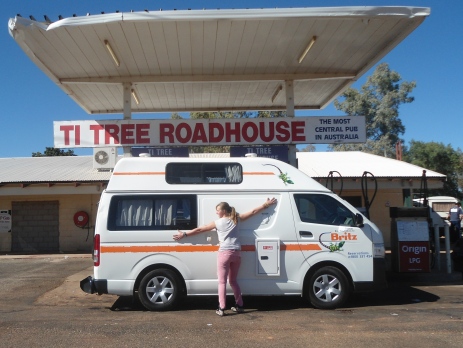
[228, 233]
[455, 213]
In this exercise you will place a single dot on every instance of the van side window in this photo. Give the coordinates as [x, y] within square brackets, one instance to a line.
[152, 212]
[204, 173]
[323, 209]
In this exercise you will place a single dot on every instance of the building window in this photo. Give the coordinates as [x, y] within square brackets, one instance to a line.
[204, 173]
[152, 212]
[355, 201]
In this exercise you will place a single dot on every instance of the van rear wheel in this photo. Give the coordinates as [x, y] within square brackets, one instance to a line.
[328, 288]
[159, 290]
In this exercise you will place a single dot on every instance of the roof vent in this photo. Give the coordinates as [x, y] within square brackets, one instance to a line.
[250, 154]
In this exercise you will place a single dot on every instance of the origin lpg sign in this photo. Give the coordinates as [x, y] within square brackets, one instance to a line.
[257, 131]
[414, 257]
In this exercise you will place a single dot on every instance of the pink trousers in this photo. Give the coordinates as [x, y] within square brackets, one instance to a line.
[228, 265]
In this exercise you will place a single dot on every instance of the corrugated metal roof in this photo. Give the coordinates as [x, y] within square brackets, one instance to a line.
[354, 163]
[314, 164]
[50, 169]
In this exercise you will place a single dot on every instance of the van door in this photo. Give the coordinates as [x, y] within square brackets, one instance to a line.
[270, 254]
[326, 230]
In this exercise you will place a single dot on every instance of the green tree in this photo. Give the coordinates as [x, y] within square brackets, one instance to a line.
[439, 158]
[268, 114]
[308, 148]
[51, 151]
[175, 116]
[378, 100]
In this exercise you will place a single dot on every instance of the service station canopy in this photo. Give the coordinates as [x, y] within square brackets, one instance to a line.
[212, 60]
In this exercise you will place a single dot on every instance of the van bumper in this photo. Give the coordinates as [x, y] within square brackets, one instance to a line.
[92, 286]
[379, 277]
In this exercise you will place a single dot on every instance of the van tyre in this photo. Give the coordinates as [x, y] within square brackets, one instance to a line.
[159, 290]
[328, 288]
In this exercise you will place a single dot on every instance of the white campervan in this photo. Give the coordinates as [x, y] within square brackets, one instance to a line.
[312, 243]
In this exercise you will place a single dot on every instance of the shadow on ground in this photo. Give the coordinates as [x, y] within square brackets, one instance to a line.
[394, 295]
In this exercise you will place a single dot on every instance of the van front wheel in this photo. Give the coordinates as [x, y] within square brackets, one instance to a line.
[328, 288]
[159, 290]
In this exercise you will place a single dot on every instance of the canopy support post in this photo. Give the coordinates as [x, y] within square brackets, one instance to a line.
[289, 88]
[127, 103]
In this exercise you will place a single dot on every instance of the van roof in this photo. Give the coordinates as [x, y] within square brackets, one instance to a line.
[439, 199]
[258, 174]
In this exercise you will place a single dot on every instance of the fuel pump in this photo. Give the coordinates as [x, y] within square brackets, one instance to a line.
[411, 245]
[331, 178]
[368, 203]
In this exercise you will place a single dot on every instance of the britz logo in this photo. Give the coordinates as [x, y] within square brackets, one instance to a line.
[345, 236]
[338, 239]
[267, 247]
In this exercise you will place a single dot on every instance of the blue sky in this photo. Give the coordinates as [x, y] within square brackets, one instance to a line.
[431, 56]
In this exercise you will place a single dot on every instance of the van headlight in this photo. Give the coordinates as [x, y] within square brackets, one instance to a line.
[378, 250]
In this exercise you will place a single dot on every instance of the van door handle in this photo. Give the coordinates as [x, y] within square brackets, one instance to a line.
[264, 257]
[306, 234]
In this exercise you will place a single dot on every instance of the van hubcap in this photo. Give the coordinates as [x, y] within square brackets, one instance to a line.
[159, 290]
[327, 288]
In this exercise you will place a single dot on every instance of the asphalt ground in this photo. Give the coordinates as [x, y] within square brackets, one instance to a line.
[41, 305]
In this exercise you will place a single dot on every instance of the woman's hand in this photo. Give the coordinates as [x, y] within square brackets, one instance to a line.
[179, 235]
[271, 201]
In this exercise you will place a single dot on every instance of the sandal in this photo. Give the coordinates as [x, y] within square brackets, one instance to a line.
[220, 312]
[238, 309]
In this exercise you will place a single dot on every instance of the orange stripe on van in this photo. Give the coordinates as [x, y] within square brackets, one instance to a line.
[302, 247]
[139, 173]
[159, 249]
[258, 173]
[197, 248]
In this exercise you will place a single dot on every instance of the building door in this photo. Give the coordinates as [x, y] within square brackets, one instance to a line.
[35, 227]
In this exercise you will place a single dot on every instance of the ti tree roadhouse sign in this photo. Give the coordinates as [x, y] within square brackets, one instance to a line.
[257, 131]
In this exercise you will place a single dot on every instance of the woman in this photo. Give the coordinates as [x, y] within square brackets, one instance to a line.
[228, 258]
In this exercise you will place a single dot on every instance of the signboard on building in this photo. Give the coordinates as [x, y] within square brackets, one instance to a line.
[201, 132]
[277, 152]
[5, 221]
[161, 151]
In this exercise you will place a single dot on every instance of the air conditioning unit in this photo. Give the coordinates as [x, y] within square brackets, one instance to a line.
[104, 157]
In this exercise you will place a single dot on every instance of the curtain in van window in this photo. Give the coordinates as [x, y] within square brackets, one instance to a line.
[135, 213]
[233, 173]
[186, 209]
[165, 211]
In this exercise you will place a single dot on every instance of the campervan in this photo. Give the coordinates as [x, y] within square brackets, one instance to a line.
[440, 207]
[440, 204]
[312, 243]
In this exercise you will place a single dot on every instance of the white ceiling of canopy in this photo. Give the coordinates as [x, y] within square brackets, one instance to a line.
[211, 60]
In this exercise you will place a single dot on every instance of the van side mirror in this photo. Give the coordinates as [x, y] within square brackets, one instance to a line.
[359, 220]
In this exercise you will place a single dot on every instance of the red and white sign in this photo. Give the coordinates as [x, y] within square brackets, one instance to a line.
[276, 131]
[414, 257]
